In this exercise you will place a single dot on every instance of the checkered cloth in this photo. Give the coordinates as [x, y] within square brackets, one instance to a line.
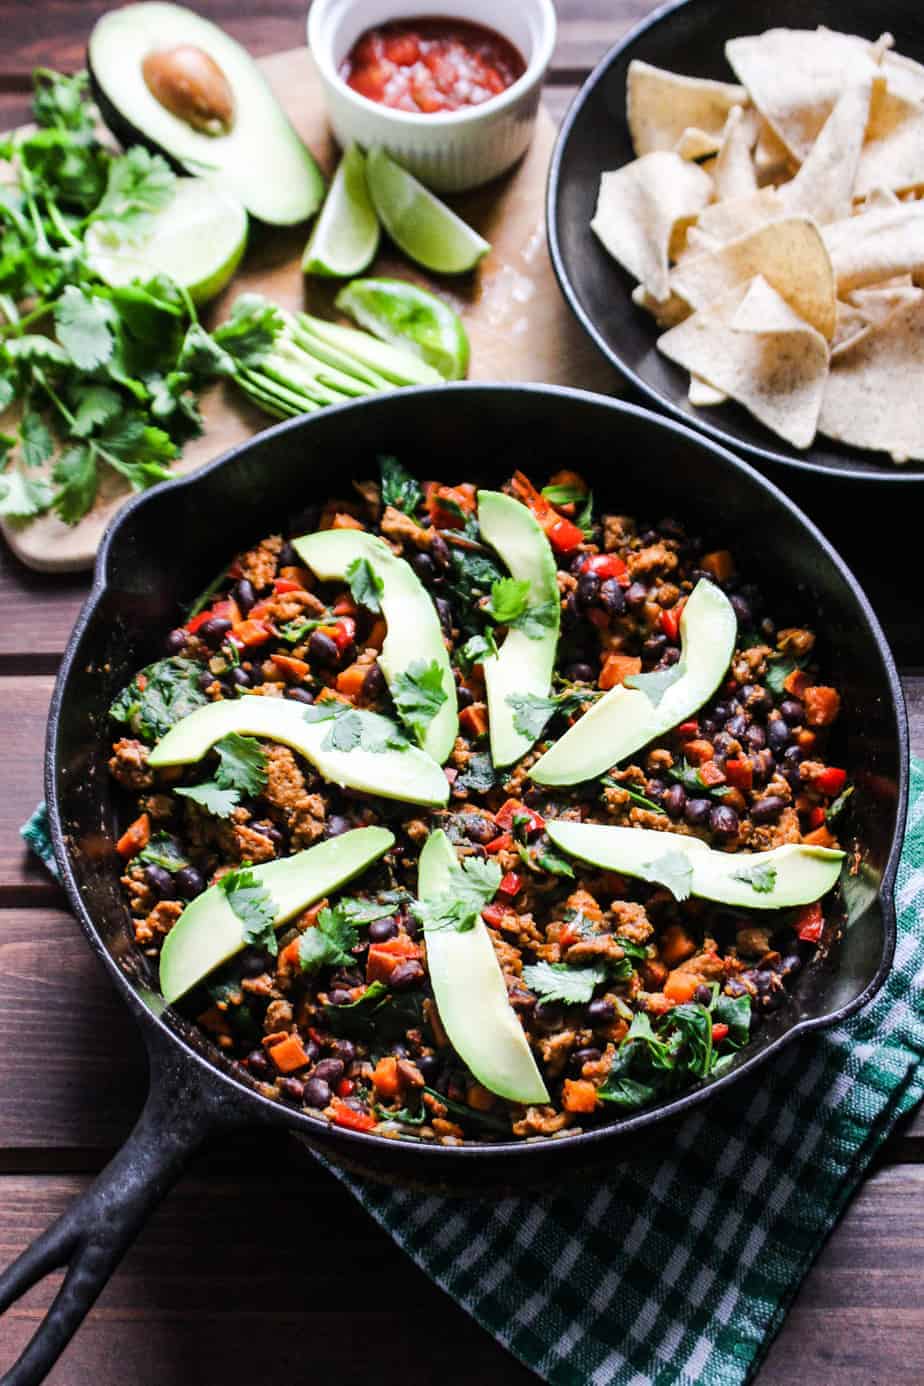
[680, 1269]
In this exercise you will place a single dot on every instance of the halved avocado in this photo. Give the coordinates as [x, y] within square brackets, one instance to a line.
[524, 662]
[625, 719]
[414, 631]
[470, 992]
[795, 874]
[247, 146]
[409, 775]
[208, 931]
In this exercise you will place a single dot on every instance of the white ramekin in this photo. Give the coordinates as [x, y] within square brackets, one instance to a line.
[453, 150]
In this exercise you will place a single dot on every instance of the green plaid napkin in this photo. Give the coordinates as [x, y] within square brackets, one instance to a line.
[680, 1269]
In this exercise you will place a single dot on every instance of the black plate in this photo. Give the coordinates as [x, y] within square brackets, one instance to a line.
[689, 38]
[167, 545]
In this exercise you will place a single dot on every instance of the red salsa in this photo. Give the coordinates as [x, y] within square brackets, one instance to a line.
[429, 65]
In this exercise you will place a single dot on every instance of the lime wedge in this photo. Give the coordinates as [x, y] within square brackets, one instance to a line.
[423, 227]
[197, 239]
[410, 317]
[346, 234]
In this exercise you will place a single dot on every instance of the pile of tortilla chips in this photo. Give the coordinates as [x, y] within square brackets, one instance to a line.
[776, 229]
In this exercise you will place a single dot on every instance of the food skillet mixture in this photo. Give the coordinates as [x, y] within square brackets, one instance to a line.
[625, 993]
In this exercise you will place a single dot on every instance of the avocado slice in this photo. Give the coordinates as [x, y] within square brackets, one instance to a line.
[525, 661]
[625, 719]
[414, 631]
[408, 774]
[208, 932]
[794, 874]
[470, 992]
[254, 153]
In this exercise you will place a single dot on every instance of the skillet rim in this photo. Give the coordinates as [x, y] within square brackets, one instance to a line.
[865, 471]
[322, 1133]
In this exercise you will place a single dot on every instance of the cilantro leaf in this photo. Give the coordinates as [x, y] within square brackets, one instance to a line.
[559, 982]
[136, 450]
[139, 184]
[84, 325]
[761, 876]
[418, 694]
[23, 496]
[162, 850]
[328, 943]
[242, 764]
[96, 405]
[672, 870]
[538, 619]
[366, 587]
[531, 713]
[399, 488]
[779, 668]
[584, 519]
[202, 356]
[75, 473]
[509, 600]
[566, 494]
[345, 734]
[210, 796]
[356, 911]
[251, 330]
[167, 692]
[735, 1012]
[477, 775]
[35, 437]
[61, 102]
[836, 808]
[254, 907]
[476, 650]
[473, 884]
[327, 710]
[656, 684]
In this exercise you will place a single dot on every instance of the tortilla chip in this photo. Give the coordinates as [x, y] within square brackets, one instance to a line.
[702, 395]
[638, 208]
[795, 76]
[823, 187]
[777, 371]
[733, 173]
[872, 398]
[772, 160]
[893, 155]
[791, 256]
[661, 105]
[876, 245]
[879, 199]
[726, 221]
[666, 312]
[695, 144]
[904, 76]
[879, 303]
[852, 324]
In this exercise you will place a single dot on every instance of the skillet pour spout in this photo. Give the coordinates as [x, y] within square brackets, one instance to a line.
[168, 544]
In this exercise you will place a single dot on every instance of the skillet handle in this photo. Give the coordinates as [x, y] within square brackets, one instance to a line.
[182, 1109]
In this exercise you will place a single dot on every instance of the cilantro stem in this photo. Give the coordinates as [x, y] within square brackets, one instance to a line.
[18, 324]
[56, 218]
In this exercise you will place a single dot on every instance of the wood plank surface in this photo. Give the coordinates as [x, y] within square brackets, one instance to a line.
[259, 1266]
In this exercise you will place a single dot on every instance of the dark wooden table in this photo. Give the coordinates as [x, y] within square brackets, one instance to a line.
[259, 1267]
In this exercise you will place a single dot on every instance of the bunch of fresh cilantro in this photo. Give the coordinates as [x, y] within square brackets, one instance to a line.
[104, 378]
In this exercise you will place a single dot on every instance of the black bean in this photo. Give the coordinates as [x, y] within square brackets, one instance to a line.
[587, 588]
[761, 766]
[767, 810]
[329, 1070]
[724, 745]
[288, 557]
[671, 528]
[670, 656]
[589, 1055]
[723, 821]
[778, 734]
[206, 679]
[299, 695]
[702, 995]
[612, 598]
[344, 1049]
[258, 1064]
[214, 631]
[292, 1088]
[316, 1093]
[244, 595]
[600, 1012]
[339, 997]
[444, 611]
[255, 962]
[270, 831]
[381, 929]
[160, 881]
[648, 537]
[756, 699]
[655, 789]
[742, 610]
[478, 828]
[429, 1066]
[654, 647]
[323, 650]
[239, 677]
[792, 711]
[636, 594]
[580, 673]
[674, 801]
[709, 726]
[697, 812]
[549, 1015]
[406, 974]
[464, 697]
[737, 726]
[439, 551]
[337, 824]
[424, 567]
[755, 738]
[793, 757]
[311, 1049]
[374, 682]
[175, 641]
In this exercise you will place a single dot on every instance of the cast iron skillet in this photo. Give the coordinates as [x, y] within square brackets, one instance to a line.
[167, 545]
[688, 37]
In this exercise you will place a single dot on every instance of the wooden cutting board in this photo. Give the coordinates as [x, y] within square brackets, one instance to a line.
[519, 325]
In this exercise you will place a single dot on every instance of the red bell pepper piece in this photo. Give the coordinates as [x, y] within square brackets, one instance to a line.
[719, 1032]
[514, 808]
[809, 923]
[195, 622]
[816, 816]
[346, 1087]
[499, 844]
[670, 620]
[564, 536]
[831, 781]
[687, 730]
[282, 585]
[493, 914]
[344, 1115]
[510, 884]
[740, 774]
[605, 565]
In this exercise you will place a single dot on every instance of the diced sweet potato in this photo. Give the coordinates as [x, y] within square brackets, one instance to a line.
[617, 668]
[578, 1095]
[821, 705]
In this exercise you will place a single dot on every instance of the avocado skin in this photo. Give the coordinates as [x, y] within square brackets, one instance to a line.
[119, 125]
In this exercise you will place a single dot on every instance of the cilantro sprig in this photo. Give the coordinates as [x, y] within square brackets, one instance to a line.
[241, 772]
[254, 906]
[473, 884]
[419, 694]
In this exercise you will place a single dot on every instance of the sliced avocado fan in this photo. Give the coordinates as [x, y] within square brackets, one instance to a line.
[628, 717]
[470, 992]
[414, 639]
[371, 765]
[208, 932]
[170, 79]
[526, 659]
[794, 874]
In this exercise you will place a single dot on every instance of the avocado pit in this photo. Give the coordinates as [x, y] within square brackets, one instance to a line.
[189, 83]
